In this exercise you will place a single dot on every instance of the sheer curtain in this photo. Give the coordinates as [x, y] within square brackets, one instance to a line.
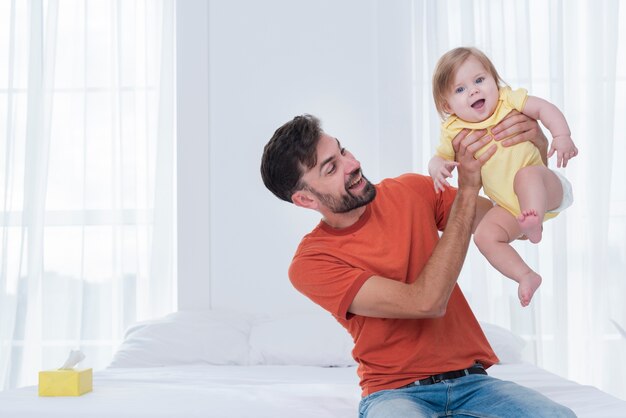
[86, 177]
[572, 53]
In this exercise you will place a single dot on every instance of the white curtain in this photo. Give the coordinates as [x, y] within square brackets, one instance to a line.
[572, 53]
[86, 177]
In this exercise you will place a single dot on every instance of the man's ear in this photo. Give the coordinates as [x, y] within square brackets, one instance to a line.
[304, 200]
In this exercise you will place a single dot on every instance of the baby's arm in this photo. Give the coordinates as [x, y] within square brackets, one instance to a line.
[439, 169]
[552, 118]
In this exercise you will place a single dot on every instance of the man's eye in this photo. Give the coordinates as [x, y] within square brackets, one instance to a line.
[331, 170]
[459, 90]
[343, 151]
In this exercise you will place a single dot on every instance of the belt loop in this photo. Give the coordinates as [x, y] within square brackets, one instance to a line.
[466, 372]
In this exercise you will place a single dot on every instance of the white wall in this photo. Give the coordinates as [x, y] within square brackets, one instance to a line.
[343, 61]
[192, 153]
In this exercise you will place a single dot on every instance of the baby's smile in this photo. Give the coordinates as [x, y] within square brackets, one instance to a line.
[478, 104]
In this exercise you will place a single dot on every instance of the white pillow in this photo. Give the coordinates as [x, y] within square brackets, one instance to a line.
[301, 339]
[507, 346]
[213, 337]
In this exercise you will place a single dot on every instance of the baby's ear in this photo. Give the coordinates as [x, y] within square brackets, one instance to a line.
[446, 107]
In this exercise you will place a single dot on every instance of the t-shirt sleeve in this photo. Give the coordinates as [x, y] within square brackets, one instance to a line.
[424, 190]
[443, 205]
[515, 98]
[327, 281]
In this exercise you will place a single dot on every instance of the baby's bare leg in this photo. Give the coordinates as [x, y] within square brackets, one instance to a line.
[493, 235]
[538, 190]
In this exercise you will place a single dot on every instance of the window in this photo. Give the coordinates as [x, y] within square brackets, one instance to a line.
[87, 177]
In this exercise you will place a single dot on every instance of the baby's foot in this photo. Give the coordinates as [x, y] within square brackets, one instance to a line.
[530, 225]
[527, 287]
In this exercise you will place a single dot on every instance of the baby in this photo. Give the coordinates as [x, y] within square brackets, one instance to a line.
[469, 94]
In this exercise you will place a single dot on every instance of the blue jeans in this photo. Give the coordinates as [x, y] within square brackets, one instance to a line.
[475, 395]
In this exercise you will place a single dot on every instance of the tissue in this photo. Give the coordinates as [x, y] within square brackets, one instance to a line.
[75, 357]
[66, 381]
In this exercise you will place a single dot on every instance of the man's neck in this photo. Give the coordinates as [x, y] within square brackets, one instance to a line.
[343, 220]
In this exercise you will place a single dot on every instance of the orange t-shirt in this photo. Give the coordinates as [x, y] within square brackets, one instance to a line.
[394, 239]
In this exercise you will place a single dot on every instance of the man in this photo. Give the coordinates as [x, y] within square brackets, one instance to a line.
[377, 264]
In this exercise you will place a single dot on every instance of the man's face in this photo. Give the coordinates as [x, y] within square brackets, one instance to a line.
[336, 181]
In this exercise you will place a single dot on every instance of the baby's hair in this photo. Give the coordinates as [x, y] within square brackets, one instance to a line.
[446, 69]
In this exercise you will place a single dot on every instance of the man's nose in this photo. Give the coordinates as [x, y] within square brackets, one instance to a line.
[351, 164]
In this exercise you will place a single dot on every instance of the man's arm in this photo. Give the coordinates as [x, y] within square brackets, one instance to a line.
[427, 297]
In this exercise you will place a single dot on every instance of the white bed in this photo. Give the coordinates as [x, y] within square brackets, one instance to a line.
[230, 365]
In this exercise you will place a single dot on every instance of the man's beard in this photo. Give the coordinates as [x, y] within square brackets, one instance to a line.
[347, 202]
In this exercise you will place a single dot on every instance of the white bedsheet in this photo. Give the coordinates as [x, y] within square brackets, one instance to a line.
[259, 391]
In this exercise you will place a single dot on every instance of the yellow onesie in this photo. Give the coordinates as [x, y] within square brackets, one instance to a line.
[498, 174]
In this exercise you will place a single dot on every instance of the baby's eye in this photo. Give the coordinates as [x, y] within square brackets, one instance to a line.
[459, 90]
[343, 151]
[480, 80]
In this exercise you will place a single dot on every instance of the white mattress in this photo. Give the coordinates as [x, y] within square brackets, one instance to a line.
[260, 391]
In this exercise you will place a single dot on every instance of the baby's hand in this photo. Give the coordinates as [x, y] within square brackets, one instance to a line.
[439, 171]
[564, 148]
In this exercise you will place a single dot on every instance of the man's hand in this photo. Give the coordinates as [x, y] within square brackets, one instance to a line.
[517, 128]
[465, 145]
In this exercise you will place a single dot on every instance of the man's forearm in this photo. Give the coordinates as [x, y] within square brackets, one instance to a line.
[439, 276]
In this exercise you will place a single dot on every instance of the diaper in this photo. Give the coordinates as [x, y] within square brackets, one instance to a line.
[568, 195]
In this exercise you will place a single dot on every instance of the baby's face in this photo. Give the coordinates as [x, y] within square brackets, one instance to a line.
[473, 94]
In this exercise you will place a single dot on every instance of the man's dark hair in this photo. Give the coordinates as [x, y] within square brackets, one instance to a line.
[292, 148]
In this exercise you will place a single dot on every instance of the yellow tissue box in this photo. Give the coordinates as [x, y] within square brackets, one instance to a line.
[65, 382]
